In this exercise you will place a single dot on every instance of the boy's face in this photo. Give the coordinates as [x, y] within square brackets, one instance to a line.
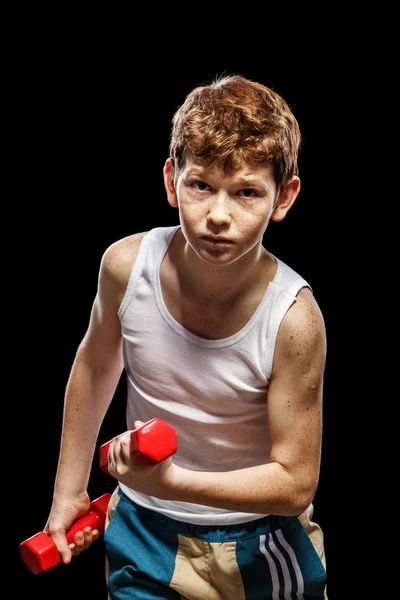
[224, 215]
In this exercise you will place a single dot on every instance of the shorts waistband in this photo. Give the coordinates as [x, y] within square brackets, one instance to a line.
[211, 533]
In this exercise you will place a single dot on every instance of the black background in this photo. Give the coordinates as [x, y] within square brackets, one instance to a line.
[90, 123]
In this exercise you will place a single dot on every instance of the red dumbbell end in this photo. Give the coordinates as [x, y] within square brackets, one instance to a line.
[39, 553]
[154, 441]
[104, 450]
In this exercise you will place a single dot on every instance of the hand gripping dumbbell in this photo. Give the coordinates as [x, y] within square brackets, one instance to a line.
[39, 552]
[152, 443]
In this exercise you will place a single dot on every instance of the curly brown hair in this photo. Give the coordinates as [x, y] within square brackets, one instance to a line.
[234, 120]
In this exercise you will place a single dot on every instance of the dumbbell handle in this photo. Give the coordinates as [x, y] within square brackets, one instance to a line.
[152, 443]
[93, 520]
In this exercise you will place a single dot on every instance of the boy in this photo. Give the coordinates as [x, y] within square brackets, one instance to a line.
[226, 343]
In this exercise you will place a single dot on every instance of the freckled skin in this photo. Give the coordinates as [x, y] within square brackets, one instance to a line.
[212, 288]
[230, 280]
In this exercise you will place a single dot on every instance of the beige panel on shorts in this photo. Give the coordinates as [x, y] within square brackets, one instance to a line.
[316, 536]
[314, 532]
[207, 570]
[112, 505]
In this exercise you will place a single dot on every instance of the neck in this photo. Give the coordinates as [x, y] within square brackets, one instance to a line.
[219, 284]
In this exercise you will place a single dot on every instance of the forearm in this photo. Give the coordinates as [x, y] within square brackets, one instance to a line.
[264, 489]
[88, 395]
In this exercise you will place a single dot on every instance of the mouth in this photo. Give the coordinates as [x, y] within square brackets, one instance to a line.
[216, 241]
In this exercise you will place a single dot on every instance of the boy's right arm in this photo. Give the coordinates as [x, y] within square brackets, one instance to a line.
[93, 379]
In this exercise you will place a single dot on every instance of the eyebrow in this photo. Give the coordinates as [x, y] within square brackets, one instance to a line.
[200, 172]
[250, 181]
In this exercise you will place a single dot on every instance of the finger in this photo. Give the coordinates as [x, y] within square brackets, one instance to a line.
[83, 540]
[119, 450]
[122, 447]
[90, 538]
[63, 548]
[90, 535]
[79, 540]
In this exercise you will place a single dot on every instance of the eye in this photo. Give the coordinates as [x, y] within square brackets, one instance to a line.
[247, 193]
[200, 186]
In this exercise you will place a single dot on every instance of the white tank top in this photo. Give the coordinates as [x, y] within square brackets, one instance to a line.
[213, 392]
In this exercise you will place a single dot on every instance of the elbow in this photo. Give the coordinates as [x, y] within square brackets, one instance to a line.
[300, 505]
[302, 497]
[291, 491]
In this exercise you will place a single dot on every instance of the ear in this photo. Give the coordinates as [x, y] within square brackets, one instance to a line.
[286, 199]
[169, 182]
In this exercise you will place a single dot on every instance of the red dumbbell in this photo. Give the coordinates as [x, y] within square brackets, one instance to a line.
[152, 442]
[39, 552]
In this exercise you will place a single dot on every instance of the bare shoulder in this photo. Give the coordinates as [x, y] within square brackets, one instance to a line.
[305, 313]
[118, 259]
[115, 269]
[302, 334]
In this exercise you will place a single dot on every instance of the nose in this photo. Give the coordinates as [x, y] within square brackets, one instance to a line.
[219, 212]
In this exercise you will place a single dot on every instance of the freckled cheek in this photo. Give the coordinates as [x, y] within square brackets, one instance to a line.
[190, 224]
[192, 213]
[253, 226]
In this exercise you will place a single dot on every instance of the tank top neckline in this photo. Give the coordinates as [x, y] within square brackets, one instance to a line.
[192, 337]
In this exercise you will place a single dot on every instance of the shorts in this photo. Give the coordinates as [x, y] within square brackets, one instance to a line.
[153, 557]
